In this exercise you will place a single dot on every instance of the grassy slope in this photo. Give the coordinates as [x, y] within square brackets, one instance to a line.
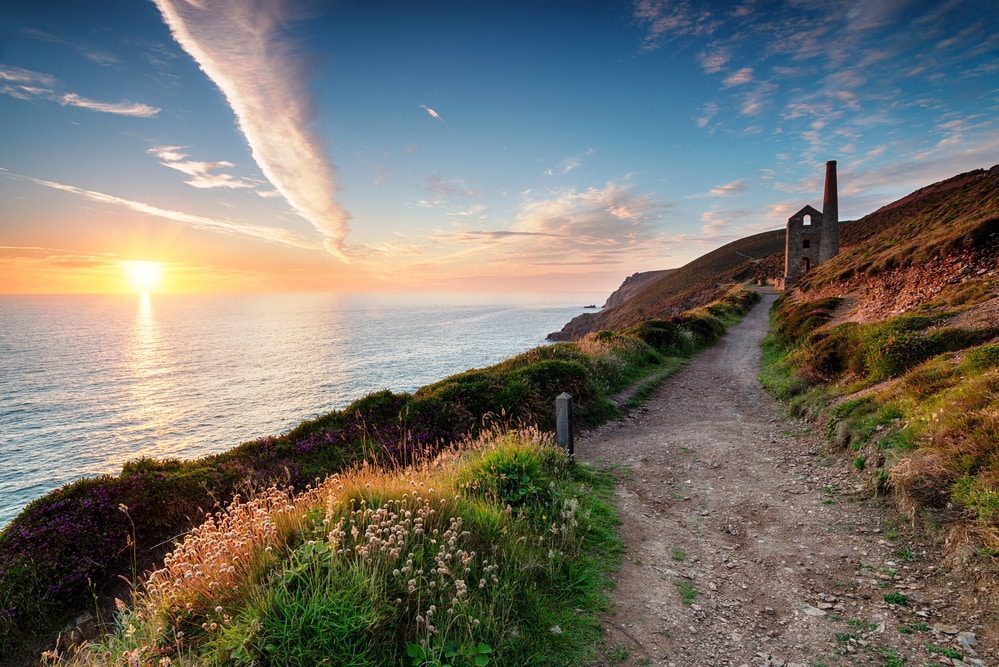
[699, 281]
[912, 397]
[74, 546]
[762, 255]
[497, 554]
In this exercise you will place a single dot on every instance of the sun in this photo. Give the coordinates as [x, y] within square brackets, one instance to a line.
[143, 275]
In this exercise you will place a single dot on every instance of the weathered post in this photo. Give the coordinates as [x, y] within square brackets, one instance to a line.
[563, 422]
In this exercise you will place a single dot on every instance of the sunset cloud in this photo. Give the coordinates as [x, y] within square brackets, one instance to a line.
[241, 47]
[204, 223]
[201, 173]
[596, 226]
[119, 108]
[666, 18]
[739, 77]
[713, 62]
[25, 84]
[728, 189]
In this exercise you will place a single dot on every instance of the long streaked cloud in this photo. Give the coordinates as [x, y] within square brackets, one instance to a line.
[119, 108]
[93, 55]
[200, 222]
[241, 47]
[25, 84]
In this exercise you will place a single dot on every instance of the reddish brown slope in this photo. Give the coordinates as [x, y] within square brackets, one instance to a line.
[889, 229]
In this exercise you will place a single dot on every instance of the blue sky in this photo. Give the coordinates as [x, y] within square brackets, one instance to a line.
[516, 146]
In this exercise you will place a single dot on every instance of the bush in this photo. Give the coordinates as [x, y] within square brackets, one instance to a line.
[75, 543]
[417, 567]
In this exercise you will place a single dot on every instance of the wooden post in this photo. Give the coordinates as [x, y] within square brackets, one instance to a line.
[563, 423]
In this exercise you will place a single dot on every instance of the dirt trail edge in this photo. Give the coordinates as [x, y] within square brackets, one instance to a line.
[745, 544]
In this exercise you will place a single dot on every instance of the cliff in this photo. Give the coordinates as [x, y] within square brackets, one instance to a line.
[631, 286]
[670, 292]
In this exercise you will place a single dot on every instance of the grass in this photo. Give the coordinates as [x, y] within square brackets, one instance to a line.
[924, 426]
[496, 552]
[897, 599]
[687, 590]
[679, 555]
[75, 545]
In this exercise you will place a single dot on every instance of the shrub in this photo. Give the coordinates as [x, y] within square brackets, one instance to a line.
[415, 566]
[75, 543]
[795, 321]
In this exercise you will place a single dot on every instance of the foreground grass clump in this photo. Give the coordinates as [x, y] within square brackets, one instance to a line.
[494, 553]
[75, 545]
[916, 403]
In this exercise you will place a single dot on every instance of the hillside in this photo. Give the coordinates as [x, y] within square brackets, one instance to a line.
[89, 542]
[762, 255]
[672, 292]
[631, 286]
[893, 347]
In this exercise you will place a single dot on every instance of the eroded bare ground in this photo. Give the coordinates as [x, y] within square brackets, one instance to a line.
[748, 545]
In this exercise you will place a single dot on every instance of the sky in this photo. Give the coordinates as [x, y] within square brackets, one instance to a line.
[495, 147]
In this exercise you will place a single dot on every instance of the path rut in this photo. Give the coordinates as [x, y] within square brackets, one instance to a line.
[730, 504]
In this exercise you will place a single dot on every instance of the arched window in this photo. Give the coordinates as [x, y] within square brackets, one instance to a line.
[807, 220]
[806, 264]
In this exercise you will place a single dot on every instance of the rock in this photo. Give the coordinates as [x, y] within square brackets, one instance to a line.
[945, 629]
[812, 611]
[967, 640]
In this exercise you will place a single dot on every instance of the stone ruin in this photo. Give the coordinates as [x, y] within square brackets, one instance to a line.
[812, 235]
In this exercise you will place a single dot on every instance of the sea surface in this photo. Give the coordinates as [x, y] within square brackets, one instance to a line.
[89, 382]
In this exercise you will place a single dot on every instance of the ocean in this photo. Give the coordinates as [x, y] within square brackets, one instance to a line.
[89, 382]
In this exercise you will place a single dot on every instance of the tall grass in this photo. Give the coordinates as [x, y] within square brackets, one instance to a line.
[492, 553]
[917, 402]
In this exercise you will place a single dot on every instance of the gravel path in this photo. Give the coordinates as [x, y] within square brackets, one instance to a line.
[747, 545]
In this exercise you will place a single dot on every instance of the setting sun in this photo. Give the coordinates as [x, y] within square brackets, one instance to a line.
[143, 275]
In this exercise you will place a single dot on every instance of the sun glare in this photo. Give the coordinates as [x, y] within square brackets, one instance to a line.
[143, 276]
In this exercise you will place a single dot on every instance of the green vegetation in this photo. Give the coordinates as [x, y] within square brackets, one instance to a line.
[493, 553]
[70, 550]
[897, 599]
[679, 555]
[917, 402]
[945, 651]
[688, 593]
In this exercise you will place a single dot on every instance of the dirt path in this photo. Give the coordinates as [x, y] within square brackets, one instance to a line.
[745, 545]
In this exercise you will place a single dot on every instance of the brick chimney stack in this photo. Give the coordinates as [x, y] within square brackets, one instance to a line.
[829, 245]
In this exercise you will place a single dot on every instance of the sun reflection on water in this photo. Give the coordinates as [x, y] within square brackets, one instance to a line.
[147, 410]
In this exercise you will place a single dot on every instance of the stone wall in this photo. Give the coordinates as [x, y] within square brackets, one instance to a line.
[802, 246]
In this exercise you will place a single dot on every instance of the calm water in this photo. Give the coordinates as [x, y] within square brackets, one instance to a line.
[88, 382]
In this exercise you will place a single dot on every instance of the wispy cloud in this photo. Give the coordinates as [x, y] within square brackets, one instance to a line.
[709, 111]
[25, 84]
[666, 18]
[571, 163]
[432, 112]
[119, 108]
[714, 61]
[271, 234]
[94, 55]
[739, 77]
[728, 189]
[201, 173]
[602, 226]
[241, 47]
